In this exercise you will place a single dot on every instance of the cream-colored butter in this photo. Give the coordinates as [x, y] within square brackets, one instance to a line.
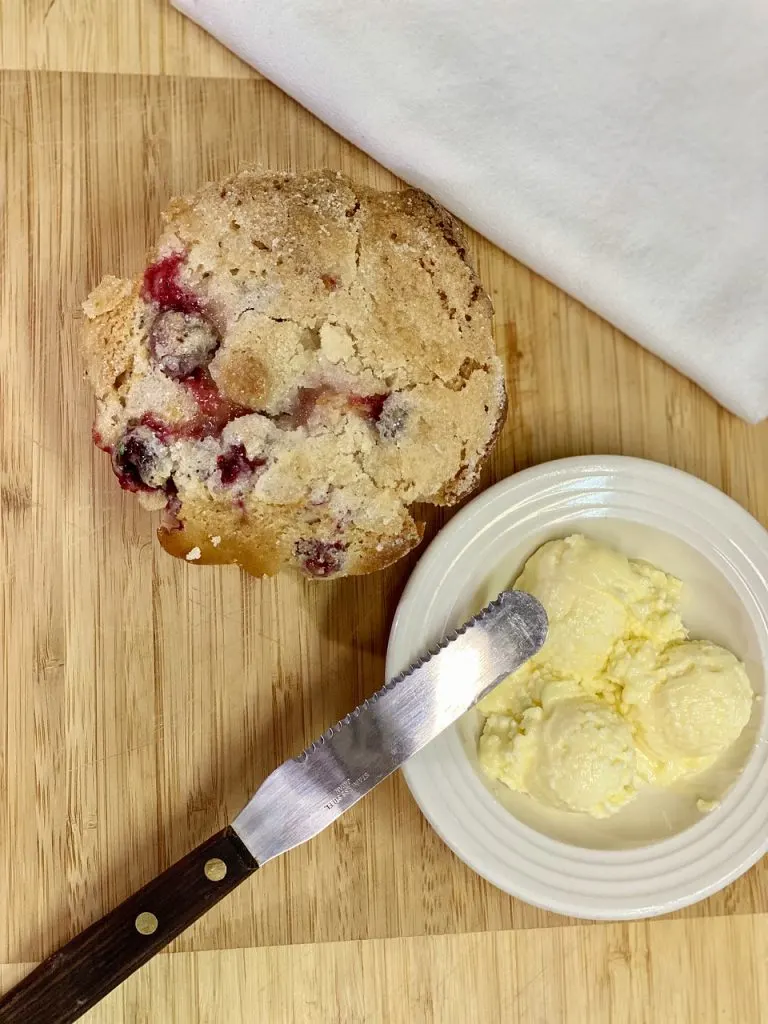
[705, 806]
[578, 755]
[687, 703]
[594, 597]
[617, 697]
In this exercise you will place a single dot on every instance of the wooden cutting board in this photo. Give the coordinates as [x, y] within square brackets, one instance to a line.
[142, 700]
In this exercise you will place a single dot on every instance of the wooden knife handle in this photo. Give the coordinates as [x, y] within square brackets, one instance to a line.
[73, 980]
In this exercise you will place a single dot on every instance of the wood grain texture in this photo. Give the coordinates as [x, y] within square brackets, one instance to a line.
[114, 36]
[664, 972]
[142, 700]
[82, 972]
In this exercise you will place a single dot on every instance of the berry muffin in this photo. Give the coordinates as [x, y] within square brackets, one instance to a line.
[303, 360]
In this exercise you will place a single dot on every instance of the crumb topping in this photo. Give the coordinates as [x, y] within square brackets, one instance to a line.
[301, 362]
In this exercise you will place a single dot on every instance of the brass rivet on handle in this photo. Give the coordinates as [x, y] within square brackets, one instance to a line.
[215, 869]
[146, 923]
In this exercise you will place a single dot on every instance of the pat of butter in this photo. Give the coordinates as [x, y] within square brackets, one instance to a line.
[705, 806]
[618, 697]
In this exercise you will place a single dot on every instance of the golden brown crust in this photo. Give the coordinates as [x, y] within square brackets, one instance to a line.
[108, 341]
[217, 535]
[224, 535]
[354, 325]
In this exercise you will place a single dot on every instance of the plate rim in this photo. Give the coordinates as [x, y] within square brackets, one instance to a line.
[432, 564]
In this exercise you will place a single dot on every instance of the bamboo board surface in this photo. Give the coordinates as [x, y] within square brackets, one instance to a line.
[141, 700]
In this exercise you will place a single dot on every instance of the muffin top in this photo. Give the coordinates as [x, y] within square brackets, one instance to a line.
[302, 361]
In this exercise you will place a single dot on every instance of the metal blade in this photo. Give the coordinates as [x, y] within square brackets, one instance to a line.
[304, 795]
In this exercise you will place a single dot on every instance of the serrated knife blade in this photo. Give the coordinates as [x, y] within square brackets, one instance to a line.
[298, 800]
[306, 794]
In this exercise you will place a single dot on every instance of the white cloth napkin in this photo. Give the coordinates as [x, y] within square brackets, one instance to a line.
[618, 147]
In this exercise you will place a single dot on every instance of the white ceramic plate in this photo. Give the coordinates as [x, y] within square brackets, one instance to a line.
[656, 857]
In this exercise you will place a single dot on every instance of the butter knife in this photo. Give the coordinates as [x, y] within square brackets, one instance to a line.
[299, 799]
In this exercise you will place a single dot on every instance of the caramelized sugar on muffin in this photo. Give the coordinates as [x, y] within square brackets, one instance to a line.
[303, 360]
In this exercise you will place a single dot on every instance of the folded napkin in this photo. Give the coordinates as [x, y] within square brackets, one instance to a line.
[618, 147]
